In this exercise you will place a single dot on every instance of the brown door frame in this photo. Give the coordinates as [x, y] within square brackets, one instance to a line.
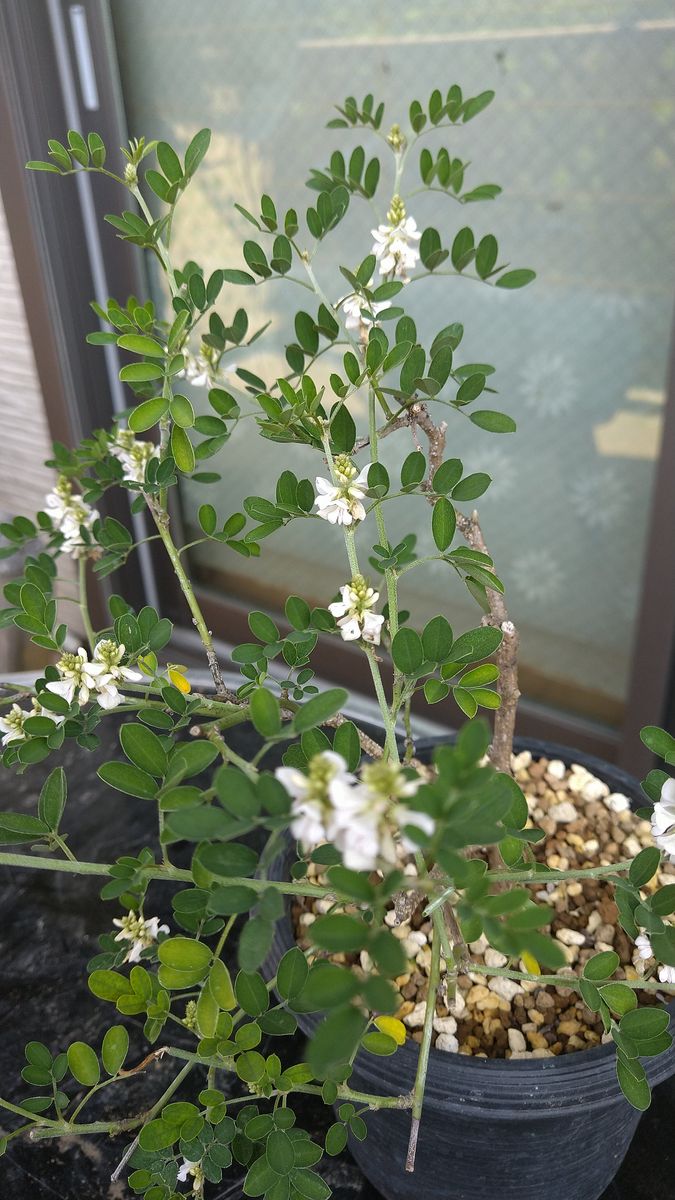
[49, 223]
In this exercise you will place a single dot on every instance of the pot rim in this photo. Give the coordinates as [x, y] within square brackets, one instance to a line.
[564, 1064]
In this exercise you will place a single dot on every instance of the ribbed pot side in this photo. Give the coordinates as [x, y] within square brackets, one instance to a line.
[535, 1129]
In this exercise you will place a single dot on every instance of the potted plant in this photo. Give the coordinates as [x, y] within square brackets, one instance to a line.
[478, 964]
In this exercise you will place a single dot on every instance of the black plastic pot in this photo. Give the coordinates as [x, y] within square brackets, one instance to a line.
[557, 1128]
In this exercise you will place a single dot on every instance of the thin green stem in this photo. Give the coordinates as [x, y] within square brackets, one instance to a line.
[425, 1048]
[571, 981]
[162, 523]
[389, 575]
[228, 754]
[83, 602]
[63, 846]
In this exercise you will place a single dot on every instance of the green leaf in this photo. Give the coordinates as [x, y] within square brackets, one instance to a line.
[601, 966]
[335, 1041]
[144, 749]
[297, 612]
[184, 954]
[412, 471]
[148, 414]
[83, 1064]
[182, 451]
[659, 742]
[108, 985]
[663, 901]
[493, 422]
[486, 255]
[339, 932]
[196, 150]
[228, 859]
[516, 279]
[182, 412]
[443, 522]
[292, 973]
[263, 627]
[169, 162]
[336, 1139]
[208, 518]
[141, 372]
[139, 344]
[114, 1048]
[407, 651]
[447, 476]
[279, 1152]
[158, 1135]
[255, 941]
[251, 993]
[379, 1043]
[436, 639]
[435, 690]
[619, 998]
[476, 644]
[129, 779]
[644, 866]
[220, 986]
[635, 1090]
[471, 486]
[265, 712]
[53, 798]
[645, 1023]
[346, 742]
[319, 709]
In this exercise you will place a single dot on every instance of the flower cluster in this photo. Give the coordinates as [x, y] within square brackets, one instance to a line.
[133, 454]
[361, 817]
[354, 614]
[12, 724]
[644, 952]
[663, 819]
[138, 930]
[81, 677]
[395, 246]
[341, 502]
[359, 314]
[194, 1170]
[68, 514]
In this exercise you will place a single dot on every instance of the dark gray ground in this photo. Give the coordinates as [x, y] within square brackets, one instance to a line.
[49, 926]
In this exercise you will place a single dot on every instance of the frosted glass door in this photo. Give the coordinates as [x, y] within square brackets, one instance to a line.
[581, 137]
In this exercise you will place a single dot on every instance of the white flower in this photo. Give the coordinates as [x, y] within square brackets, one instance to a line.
[663, 819]
[354, 618]
[133, 454]
[362, 818]
[68, 513]
[80, 677]
[315, 795]
[138, 930]
[196, 371]
[643, 946]
[340, 503]
[110, 654]
[356, 311]
[395, 242]
[644, 950]
[11, 725]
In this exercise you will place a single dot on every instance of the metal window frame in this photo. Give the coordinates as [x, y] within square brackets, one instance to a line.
[41, 87]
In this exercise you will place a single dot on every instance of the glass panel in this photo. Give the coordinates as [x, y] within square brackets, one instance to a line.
[581, 138]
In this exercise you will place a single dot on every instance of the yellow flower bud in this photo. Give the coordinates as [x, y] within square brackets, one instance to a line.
[179, 681]
[530, 963]
[393, 1027]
